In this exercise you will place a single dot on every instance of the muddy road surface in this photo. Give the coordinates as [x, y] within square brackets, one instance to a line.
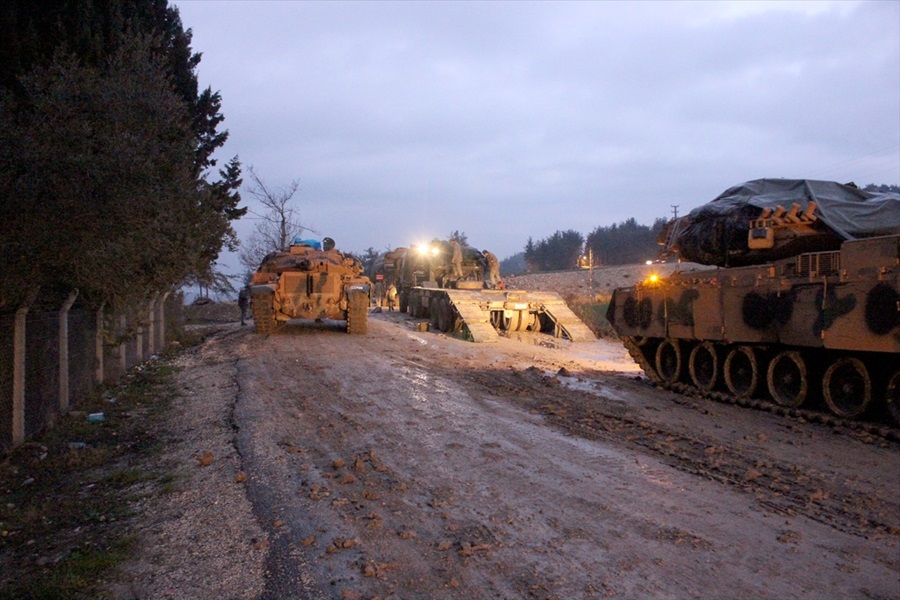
[410, 464]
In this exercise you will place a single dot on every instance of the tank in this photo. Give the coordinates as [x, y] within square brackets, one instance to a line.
[800, 328]
[310, 281]
[466, 305]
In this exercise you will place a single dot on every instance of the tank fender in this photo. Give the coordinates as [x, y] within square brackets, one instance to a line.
[260, 289]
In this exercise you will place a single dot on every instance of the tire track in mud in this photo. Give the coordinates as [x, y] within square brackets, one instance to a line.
[366, 516]
[782, 487]
[354, 506]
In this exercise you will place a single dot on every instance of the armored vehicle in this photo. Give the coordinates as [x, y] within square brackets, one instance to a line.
[804, 306]
[465, 304]
[310, 281]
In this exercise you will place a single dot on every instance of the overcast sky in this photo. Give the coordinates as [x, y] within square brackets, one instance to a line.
[405, 121]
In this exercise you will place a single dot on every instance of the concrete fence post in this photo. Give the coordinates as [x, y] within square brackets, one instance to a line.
[18, 408]
[64, 352]
[151, 326]
[139, 338]
[98, 346]
[123, 363]
[161, 321]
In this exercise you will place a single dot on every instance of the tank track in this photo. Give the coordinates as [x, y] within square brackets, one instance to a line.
[263, 316]
[814, 416]
[357, 313]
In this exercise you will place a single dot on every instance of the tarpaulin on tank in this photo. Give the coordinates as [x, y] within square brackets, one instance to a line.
[716, 233]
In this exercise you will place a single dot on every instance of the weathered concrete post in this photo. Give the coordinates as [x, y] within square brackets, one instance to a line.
[161, 321]
[123, 363]
[64, 352]
[98, 345]
[139, 339]
[151, 326]
[18, 408]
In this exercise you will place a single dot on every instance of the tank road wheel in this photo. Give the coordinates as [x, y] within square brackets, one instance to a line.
[357, 313]
[703, 365]
[441, 315]
[524, 320]
[435, 309]
[668, 360]
[787, 379]
[413, 306]
[893, 397]
[263, 313]
[741, 371]
[847, 387]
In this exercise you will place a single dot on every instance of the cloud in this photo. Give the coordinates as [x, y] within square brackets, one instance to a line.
[509, 120]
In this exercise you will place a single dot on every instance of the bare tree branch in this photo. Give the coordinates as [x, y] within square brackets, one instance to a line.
[276, 226]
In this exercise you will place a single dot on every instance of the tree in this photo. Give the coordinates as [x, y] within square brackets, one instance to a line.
[558, 252]
[514, 265]
[368, 257]
[96, 174]
[882, 188]
[107, 149]
[530, 256]
[459, 236]
[277, 223]
[623, 243]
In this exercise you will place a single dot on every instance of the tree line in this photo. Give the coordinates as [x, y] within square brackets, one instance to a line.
[618, 244]
[108, 179]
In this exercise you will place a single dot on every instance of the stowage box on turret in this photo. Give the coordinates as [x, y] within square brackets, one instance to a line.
[793, 326]
[310, 281]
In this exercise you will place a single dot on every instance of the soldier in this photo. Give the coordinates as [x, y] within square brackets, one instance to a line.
[456, 260]
[391, 296]
[493, 267]
[378, 297]
[244, 303]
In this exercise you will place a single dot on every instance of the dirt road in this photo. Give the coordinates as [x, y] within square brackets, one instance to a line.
[409, 464]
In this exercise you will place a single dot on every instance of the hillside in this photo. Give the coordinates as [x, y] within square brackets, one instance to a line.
[600, 283]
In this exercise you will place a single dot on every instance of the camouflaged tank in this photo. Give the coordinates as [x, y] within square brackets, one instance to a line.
[797, 328]
[310, 281]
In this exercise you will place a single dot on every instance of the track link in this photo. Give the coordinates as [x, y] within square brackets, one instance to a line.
[814, 416]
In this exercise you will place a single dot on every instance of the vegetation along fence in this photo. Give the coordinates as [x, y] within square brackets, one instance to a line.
[52, 354]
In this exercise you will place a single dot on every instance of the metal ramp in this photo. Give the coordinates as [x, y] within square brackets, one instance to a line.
[474, 307]
[476, 319]
[567, 322]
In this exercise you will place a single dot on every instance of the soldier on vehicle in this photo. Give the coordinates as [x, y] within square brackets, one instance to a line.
[493, 267]
[456, 260]
[244, 303]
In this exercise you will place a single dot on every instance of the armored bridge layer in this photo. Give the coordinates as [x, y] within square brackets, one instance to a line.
[819, 326]
[480, 315]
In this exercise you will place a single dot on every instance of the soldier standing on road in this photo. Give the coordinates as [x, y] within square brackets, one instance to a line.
[493, 267]
[244, 303]
[378, 297]
[456, 260]
[391, 296]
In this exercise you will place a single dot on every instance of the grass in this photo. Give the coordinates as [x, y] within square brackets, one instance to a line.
[593, 314]
[77, 576]
[66, 498]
